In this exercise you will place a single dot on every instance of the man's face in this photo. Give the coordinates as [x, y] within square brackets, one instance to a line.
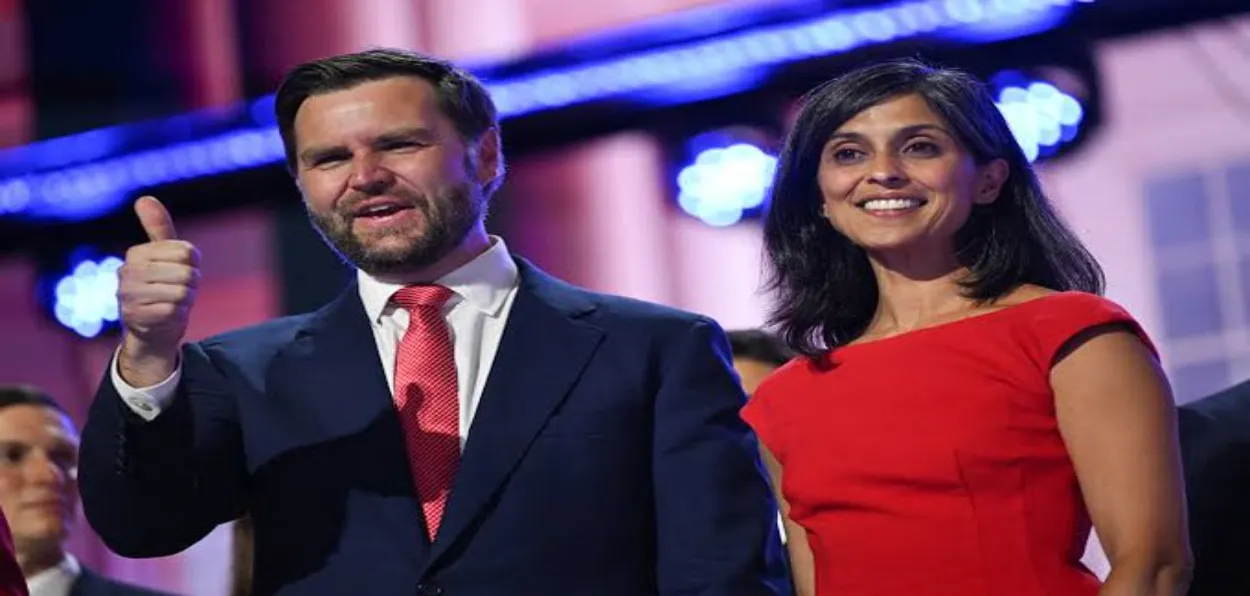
[38, 474]
[752, 372]
[386, 178]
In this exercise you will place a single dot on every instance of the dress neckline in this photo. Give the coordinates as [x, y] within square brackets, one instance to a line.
[957, 323]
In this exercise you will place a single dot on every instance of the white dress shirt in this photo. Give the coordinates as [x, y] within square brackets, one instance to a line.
[55, 581]
[484, 290]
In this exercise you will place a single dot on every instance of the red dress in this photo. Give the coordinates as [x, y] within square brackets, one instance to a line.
[930, 463]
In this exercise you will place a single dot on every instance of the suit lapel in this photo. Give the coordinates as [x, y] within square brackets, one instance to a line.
[543, 351]
[337, 364]
[82, 583]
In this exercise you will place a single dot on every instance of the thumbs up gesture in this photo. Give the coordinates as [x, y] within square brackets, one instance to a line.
[155, 292]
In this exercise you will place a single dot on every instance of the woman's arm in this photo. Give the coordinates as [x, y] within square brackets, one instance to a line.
[802, 568]
[1116, 415]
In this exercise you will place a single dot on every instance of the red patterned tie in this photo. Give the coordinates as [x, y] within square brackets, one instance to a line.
[427, 398]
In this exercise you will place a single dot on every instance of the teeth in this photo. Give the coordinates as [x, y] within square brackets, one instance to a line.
[891, 204]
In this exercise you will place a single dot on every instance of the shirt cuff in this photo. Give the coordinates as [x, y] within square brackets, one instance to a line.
[146, 402]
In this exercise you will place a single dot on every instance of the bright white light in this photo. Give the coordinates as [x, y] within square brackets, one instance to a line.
[724, 182]
[85, 300]
[1041, 116]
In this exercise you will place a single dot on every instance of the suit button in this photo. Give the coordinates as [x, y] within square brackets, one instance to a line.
[429, 590]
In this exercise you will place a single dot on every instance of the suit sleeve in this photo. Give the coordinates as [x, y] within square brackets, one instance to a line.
[154, 488]
[716, 518]
[1215, 445]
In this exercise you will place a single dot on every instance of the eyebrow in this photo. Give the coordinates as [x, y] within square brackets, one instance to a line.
[406, 134]
[906, 131]
[419, 133]
[314, 154]
[57, 443]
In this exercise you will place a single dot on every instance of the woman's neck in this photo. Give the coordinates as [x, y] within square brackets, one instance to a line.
[913, 297]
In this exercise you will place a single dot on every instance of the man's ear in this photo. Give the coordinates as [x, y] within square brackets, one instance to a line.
[487, 160]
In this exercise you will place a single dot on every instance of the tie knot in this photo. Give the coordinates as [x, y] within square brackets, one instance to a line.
[414, 297]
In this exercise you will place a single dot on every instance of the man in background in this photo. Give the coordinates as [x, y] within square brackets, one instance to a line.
[756, 354]
[39, 495]
[1215, 449]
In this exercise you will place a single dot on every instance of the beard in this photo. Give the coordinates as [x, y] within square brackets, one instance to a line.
[448, 218]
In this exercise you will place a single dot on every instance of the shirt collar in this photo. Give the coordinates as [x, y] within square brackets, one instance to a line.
[56, 579]
[484, 283]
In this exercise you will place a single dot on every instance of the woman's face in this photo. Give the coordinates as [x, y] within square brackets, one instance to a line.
[895, 178]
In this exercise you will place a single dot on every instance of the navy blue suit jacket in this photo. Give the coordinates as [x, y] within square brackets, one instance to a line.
[606, 458]
[90, 584]
[1215, 447]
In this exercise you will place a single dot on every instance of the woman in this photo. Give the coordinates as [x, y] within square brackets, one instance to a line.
[967, 403]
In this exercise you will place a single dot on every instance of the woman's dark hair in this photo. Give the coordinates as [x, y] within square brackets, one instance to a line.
[825, 289]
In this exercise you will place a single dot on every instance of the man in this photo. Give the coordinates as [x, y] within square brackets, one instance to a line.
[39, 495]
[1215, 448]
[457, 422]
[756, 354]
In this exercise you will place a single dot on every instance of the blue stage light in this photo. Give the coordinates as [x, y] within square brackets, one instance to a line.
[87, 191]
[725, 181]
[86, 175]
[1041, 116]
[769, 47]
[84, 299]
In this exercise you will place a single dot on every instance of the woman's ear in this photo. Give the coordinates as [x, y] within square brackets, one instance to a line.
[993, 176]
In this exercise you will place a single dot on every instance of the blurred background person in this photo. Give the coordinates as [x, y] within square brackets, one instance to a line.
[1215, 443]
[964, 385]
[756, 354]
[39, 495]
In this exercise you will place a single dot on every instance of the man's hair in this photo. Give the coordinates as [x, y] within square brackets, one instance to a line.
[26, 395]
[461, 96]
[759, 345]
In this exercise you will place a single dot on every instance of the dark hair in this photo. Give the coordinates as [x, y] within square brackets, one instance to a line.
[759, 345]
[460, 95]
[825, 289]
[25, 395]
